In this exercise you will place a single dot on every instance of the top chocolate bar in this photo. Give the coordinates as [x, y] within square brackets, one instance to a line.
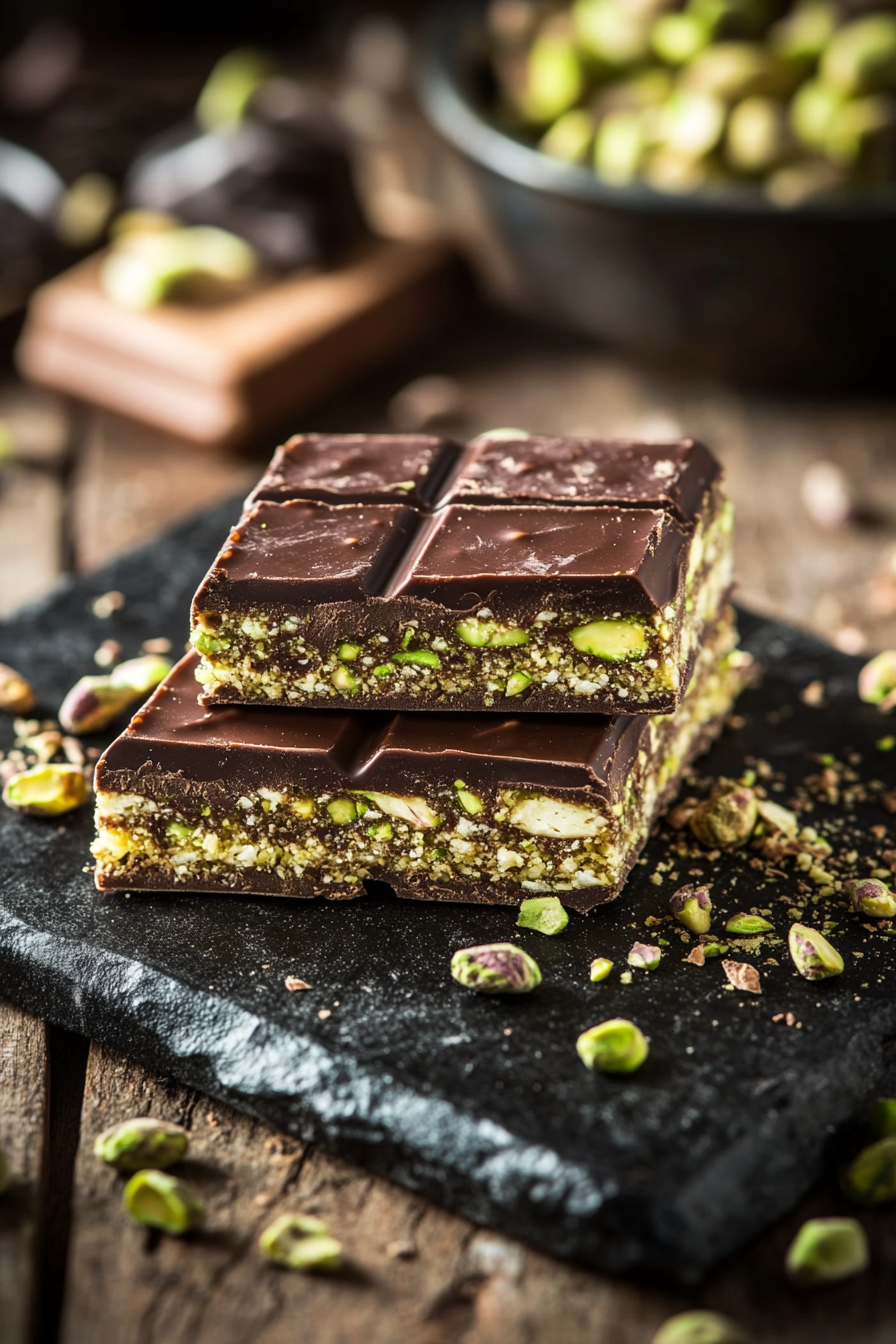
[407, 571]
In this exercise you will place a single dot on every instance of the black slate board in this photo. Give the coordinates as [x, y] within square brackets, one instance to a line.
[727, 1124]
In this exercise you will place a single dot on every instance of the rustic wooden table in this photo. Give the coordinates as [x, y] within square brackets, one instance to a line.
[81, 488]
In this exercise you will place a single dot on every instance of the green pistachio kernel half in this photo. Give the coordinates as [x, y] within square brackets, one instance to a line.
[135, 1145]
[644, 956]
[748, 924]
[419, 657]
[489, 634]
[812, 954]
[155, 1199]
[883, 1118]
[871, 1177]
[699, 1327]
[600, 969]
[300, 1243]
[345, 680]
[616, 641]
[349, 652]
[467, 800]
[303, 807]
[342, 811]
[208, 644]
[517, 682]
[615, 1046]
[543, 913]
[826, 1250]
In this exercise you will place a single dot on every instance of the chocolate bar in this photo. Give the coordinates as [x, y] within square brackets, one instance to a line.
[274, 802]
[410, 572]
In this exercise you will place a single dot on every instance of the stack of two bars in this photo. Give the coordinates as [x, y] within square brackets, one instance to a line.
[475, 672]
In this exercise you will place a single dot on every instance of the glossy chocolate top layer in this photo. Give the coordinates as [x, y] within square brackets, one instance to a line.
[462, 556]
[427, 472]
[329, 749]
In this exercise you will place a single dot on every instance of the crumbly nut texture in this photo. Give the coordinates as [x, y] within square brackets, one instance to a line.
[295, 657]
[520, 841]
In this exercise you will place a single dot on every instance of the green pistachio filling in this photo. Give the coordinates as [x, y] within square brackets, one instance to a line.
[523, 841]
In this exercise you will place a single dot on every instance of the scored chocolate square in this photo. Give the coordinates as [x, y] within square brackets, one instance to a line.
[407, 571]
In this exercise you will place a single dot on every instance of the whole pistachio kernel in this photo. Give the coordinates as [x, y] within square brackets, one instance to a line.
[617, 641]
[615, 1046]
[349, 652]
[46, 790]
[871, 1177]
[812, 954]
[826, 1250]
[871, 897]
[93, 702]
[726, 819]
[600, 969]
[877, 679]
[644, 956]
[343, 811]
[16, 694]
[545, 914]
[496, 968]
[517, 682]
[155, 1199]
[300, 1243]
[700, 1327]
[883, 1118]
[692, 907]
[748, 924]
[134, 1145]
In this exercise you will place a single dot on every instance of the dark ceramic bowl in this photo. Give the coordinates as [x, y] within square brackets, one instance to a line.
[722, 281]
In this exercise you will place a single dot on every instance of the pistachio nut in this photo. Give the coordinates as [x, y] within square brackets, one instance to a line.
[826, 1250]
[570, 137]
[692, 907]
[418, 657]
[869, 896]
[616, 641]
[299, 1242]
[612, 36]
[861, 56]
[615, 1046]
[481, 634]
[16, 694]
[618, 150]
[517, 682]
[600, 969]
[143, 269]
[348, 652]
[727, 818]
[46, 790]
[144, 1142]
[226, 94]
[470, 802]
[495, 968]
[730, 71]
[343, 811]
[676, 38]
[554, 77]
[344, 680]
[812, 954]
[803, 34]
[877, 679]
[747, 925]
[700, 1327]
[758, 135]
[555, 818]
[776, 817]
[155, 1199]
[871, 1177]
[545, 914]
[415, 811]
[93, 702]
[644, 956]
[715, 949]
[883, 1118]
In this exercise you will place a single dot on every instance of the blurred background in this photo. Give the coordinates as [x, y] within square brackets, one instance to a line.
[614, 217]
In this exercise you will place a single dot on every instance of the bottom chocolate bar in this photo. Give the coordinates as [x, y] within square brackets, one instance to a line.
[441, 806]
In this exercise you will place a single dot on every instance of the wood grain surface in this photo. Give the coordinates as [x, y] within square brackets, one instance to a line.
[24, 1102]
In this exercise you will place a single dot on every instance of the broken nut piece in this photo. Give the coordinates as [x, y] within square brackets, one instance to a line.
[16, 694]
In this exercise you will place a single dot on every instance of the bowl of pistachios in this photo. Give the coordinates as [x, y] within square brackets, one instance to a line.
[706, 183]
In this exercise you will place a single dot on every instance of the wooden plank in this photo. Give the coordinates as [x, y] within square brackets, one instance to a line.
[416, 1274]
[24, 1099]
[31, 512]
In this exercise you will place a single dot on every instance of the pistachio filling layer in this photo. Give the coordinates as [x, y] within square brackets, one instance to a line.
[535, 841]
[285, 657]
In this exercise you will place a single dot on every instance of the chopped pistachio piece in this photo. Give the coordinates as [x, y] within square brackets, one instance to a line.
[715, 949]
[517, 682]
[826, 1250]
[644, 956]
[618, 641]
[545, 914]
[748, 924]
[419, 657]
[300, 1243]
[870, 896]
[342, 811]
[470, 803]
[570, 137]
[155, 1199]
[495, 968]
[615, 1046]
[726, 819]
[415, 811]
[700, 1327]
[883, 1118]
[16, 694]
[554, 77]
[46, 790]
[861, 56]
[877, 679]
[345, 680]
[871, 1177]
[600, 969]
[480, 634]
[144, 1142]
[776, 817]
[812, 954]
[226, 94]
[692, 907]
[349, 652]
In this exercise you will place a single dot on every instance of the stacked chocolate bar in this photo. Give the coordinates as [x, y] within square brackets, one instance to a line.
[475, 672]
